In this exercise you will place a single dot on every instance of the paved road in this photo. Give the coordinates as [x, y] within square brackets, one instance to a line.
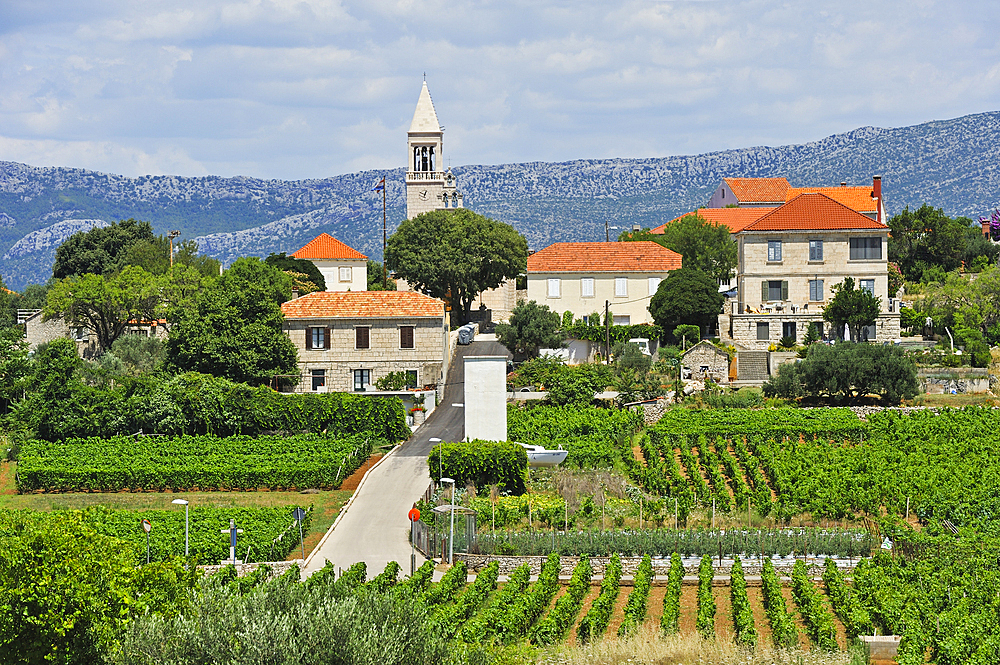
[374, 528]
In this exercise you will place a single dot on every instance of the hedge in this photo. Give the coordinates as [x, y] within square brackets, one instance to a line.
[483, 463]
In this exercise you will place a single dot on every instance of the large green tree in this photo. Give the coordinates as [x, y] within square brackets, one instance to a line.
[969, 307]
[104, 304]
[290, 264]
[532, 327]
[704, 245]
[234, 330]
[456, 254]
[854, 307]
[686, 296]
[926, 239]
[100, 250]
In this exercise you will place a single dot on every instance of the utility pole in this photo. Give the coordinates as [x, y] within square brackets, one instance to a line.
[170, 237]
[385, 276]
[607, 332]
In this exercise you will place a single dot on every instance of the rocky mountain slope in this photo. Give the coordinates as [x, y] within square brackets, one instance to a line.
[952, 164]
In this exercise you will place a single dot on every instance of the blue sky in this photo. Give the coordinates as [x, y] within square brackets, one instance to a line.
[299, 89]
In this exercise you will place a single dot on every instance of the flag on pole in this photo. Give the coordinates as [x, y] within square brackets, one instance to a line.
[379, 186]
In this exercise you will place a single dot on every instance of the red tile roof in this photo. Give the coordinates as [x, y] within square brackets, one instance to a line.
[735, 218]
[813, 211]
[855, 198]
[325, 246]
[758, 190]
[363, 305]
[640, 256]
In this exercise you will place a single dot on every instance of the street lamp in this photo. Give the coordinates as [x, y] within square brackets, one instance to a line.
[451, 533]
[183, 502]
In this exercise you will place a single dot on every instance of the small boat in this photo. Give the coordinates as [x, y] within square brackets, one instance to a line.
[539, 456]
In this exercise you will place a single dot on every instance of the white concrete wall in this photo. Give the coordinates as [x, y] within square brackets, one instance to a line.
[330, 269]
[635, 304]
[486, 398]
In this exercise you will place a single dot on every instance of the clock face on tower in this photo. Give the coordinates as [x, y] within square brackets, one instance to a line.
[423, 195]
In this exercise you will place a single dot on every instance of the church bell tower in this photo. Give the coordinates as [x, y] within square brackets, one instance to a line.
[428, 185]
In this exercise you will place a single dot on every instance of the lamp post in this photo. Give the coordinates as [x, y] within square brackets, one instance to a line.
[451, 533]
[184, 502]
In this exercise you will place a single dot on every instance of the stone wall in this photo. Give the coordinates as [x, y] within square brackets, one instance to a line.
[278, 568]
[382, 356]
[661, 565]
[708, 355]
[958, 380]
[744, 328]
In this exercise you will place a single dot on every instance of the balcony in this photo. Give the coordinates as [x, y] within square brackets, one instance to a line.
[425, 176]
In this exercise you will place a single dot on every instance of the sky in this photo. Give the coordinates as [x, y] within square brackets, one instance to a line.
[295, 89]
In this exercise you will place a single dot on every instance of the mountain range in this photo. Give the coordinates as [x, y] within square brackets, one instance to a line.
[950, 164]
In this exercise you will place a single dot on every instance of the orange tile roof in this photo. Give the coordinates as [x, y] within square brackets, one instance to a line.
[813, 211]
[325, 246]
[362, 305]
[758, 190]
[639, 256]
[855, 198]
[736, 219]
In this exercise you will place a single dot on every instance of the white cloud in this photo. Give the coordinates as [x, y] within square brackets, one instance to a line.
[305, 88]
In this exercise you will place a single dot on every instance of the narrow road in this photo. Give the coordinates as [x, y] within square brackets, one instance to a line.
[374, 528]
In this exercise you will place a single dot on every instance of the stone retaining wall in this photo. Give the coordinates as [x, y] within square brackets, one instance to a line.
[661, 566]
[278, 568]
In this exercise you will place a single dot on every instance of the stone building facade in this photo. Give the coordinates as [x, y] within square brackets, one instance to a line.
[705, 359]
[348, 340]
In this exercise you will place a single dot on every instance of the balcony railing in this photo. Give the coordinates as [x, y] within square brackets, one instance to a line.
[424, 176]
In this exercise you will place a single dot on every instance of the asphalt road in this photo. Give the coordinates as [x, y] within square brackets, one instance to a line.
[375, 528]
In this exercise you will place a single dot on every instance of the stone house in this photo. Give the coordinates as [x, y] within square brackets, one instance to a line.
[344, 268]
[39, 330]
[789, 260]
[580, 277]
[347, 340]
[705, 359]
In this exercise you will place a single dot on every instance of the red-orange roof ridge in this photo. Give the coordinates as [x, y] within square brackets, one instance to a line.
[735, 218]
[758, 190]
[363, 305]
[811, 211]
[325, 246]
[639, 256]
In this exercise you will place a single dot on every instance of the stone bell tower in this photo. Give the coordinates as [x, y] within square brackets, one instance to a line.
[428, 185]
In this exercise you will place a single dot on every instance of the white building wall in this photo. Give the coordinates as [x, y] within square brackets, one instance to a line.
[634, 303]
[486, 398]
[330, 269]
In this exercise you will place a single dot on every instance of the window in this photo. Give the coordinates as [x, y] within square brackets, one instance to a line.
[818, 327]
[79, 334]
[318, 379]
[554, 287]
[587, 287]
[868, 285]
[624, 320]
[763, 332]
[815, 290]
[868, 333]
[345, 273]
[411, 378]
[654, 284]
[621, 287]
[866, 248]
[361, 337]
[774, 289]
[362, 378]
[318, 338]
[815, 250]
[773, 250]
[788, 329]
[406, 337]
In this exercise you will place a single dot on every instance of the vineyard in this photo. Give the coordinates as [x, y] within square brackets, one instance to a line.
[190, 462]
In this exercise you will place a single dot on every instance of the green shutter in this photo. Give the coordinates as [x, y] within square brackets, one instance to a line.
[763, 291]
[784, 290]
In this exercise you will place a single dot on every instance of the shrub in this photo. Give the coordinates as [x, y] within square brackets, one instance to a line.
[483, 463]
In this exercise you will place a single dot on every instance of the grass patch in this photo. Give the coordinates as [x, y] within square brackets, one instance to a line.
[955, 401]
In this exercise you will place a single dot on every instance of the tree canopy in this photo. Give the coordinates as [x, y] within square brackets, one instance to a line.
[100, 250]
[926, 240]
[847, 370]
[970, 308]
[289, 264]
[532, 327]
[704, 245]
[104, 304]
[234, 329]
[855, 308]
[686, 296]
[456, 255]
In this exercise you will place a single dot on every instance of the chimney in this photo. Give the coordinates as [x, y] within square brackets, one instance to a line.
[877, 195]
[843, 183]
[986, 228]
[295, 294]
